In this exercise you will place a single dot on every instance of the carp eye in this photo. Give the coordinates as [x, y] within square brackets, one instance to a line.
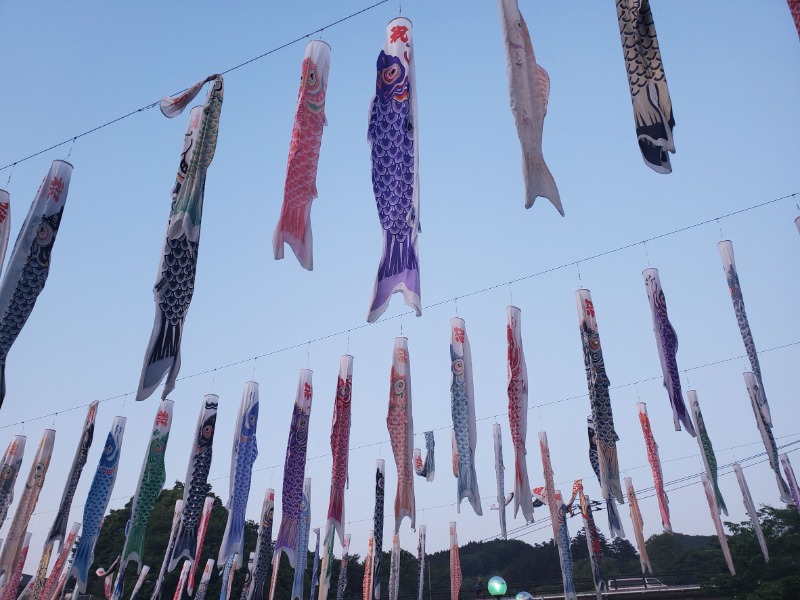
[390, 74]
[312, 77]
[399, 387]
[207, 431]
[44, 235]
[108, 449]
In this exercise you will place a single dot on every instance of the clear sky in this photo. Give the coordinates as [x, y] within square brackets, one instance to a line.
[734, 77]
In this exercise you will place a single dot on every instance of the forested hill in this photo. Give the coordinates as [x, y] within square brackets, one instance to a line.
[524, 566]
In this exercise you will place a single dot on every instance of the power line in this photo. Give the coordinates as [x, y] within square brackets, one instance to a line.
[455, 299]
[225, 72]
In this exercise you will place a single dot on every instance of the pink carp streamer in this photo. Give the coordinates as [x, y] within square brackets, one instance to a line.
[15, 574]
[750, 506]
[655, 466]
[202, 528]
[518, 412]
[794, 7]
[455, 564]
[61, 560]
[366, 588]
[667, 342]
[638, 526]
[592, 539]
[791, 480]
[5, 224]
[15, 537]
[187, 565]
[400, 422]
[294, 226]
[712, 506]
[340, 447]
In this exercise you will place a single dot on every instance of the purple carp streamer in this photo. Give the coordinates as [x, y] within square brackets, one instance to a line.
[202, 588]
[59, 528]
[13, 576]
[48, 587]
[667, 342]
[15, 537]
[462, 407]
[366, 584]
[342, 583]
[791, 480]
[750, 507]
[97, 502]
[196, 488]
[421, 562]
[315, 566]
[294, 469]
[558, 518]
[12, 461]
[377, 526]
[340, 446]
[529, 90]
[706, 449]
[394, 568]
[602, 417]
[400, 423]
[638, 526]
[243, 455]
[712, 506]
[5, 224]
[455, 563]
[426, 468]
[140, 581]
[178, 262]
[302, 542]
[29, 264]
[294, 226]
[393, 138]
[518, 412]
[655, 466]
[500, 472]
[176, 519]
[764, 428]
[614, 521]
[262, 563]
[732, 276]
[652, 106]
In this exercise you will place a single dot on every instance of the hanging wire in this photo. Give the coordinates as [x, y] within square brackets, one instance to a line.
[646, 253]
[721, 235]
[71, 147]
[578, 266]
[308, 354]
[225, 72]
[10, 173]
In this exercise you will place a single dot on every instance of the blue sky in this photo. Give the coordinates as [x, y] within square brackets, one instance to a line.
[733, 76]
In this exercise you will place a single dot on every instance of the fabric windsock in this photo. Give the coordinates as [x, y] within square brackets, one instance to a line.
[5, 224]
[243, 454]
[140, 580]
[652, 105]
[706, 449]
[377, 526]
[187, 565]
[12, 461]
[341, 586]
[638, 526]
[176, 519]
[518, 412]
[14, 575]
[302, 542]
[393, 136]
[202, 588]
[177, 265]
[500, 470]
[340, 445]
[29, 263]
[426, 468]
[667, 343]
[315, 566]
[15, 536]
[529, 91]
[227, 577]
[750, 507]
[294, 469]
[592, 540]
[791, 480]
[598, 383]
[262, 563]
[400, 423]
[712, 506]
[614, 520]
[455, 564]
[202, 527]
[366, 586]
[394, 568]
[753, 390]
[549, 484]
[655, 466]
[462, 407]
[565, 552]
[300, 189]
[66, 548]
[421, 562]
